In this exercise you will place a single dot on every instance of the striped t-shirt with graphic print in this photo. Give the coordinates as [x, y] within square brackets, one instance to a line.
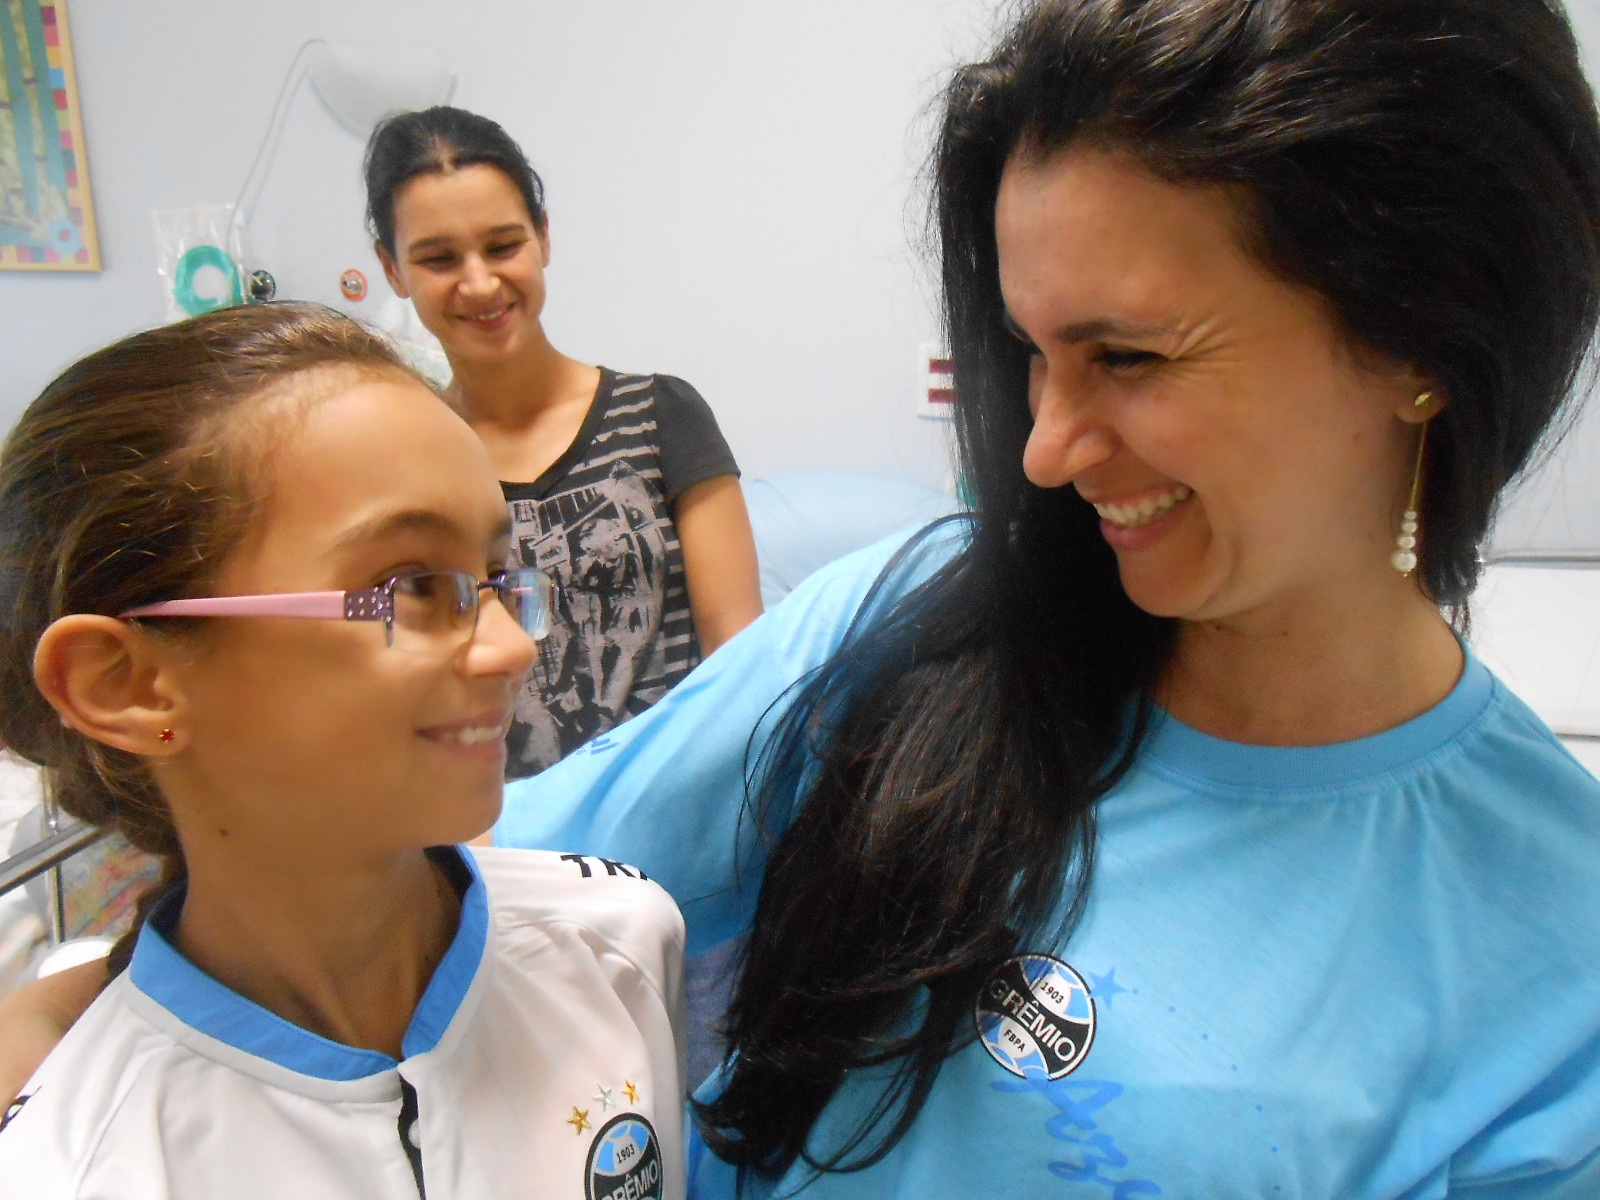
[599, 523]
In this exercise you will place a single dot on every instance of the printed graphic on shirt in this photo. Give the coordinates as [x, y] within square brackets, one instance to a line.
[624, 1161]
[1078, 1128]
[588, 864]
[1035, 1017]
[604, 547]
[600, 523]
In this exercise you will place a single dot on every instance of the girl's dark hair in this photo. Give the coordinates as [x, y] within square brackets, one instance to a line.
[1431, 168]
[127, 482]
[436, 141]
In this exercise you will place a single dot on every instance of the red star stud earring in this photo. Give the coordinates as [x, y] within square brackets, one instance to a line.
[167, 735]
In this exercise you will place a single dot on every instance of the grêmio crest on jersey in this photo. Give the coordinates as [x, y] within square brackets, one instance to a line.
[624, 1161]
[1035, 1017]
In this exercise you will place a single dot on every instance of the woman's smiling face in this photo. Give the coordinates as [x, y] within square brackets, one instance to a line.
[471, 259]
[1243, 456]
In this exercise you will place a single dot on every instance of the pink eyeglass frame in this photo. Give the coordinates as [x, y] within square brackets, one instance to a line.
[362, 604]
[366, 604]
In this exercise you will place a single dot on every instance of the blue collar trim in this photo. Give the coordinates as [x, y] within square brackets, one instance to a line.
[199, 1001]
[1180, 747]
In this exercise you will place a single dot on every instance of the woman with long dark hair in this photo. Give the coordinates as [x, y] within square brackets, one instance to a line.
[1151, 832]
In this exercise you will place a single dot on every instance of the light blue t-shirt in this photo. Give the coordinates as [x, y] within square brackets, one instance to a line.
[1353, 971]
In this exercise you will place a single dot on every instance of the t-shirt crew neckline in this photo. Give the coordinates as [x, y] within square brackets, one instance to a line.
[575, 452]
[162, 973]
[1186, 750]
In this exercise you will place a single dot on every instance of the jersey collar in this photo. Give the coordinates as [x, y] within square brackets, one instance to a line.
[199, 1001]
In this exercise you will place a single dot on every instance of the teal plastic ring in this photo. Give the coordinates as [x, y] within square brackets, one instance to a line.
[192, 261]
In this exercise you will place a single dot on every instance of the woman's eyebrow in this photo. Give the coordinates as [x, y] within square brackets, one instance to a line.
[1105, 327]
[444, 239]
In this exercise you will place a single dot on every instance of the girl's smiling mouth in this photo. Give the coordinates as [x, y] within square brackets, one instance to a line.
[473, 732]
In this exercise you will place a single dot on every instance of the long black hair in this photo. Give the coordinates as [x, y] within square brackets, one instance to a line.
[1431, 168]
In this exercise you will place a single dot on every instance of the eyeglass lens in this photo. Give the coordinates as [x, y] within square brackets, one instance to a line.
[436, 602]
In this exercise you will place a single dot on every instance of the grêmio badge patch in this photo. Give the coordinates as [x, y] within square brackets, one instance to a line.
[1035, 1017]
[624, 1161]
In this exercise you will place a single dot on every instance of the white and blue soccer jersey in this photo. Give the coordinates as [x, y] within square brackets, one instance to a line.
[1363, 971]
[541, 1062]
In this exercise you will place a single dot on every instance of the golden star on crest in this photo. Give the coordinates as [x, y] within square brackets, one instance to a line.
[579, 1120]
[631, 1092]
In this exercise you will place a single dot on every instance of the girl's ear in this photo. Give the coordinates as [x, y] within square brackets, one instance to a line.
[389, 271]
[109, 681]
[543, 230]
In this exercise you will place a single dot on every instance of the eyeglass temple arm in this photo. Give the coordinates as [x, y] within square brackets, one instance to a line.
[367, 604]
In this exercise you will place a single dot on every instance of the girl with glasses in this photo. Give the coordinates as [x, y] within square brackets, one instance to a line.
[261, 615]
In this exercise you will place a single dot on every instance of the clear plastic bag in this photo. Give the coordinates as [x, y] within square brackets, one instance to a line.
[199, 252]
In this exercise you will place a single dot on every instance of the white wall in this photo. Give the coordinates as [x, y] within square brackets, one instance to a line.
[1558, 507]
[732, 190]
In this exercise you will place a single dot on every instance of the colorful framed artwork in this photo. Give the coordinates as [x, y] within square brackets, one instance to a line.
[46, 217]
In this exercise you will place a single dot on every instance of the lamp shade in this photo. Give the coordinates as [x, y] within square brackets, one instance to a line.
[362, 84]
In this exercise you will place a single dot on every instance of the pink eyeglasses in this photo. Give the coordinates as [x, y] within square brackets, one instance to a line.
[427, 605]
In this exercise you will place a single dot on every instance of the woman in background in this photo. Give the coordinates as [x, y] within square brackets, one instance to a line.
[621, 487]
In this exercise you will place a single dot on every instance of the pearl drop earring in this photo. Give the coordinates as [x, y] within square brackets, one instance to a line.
[1404, 559]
